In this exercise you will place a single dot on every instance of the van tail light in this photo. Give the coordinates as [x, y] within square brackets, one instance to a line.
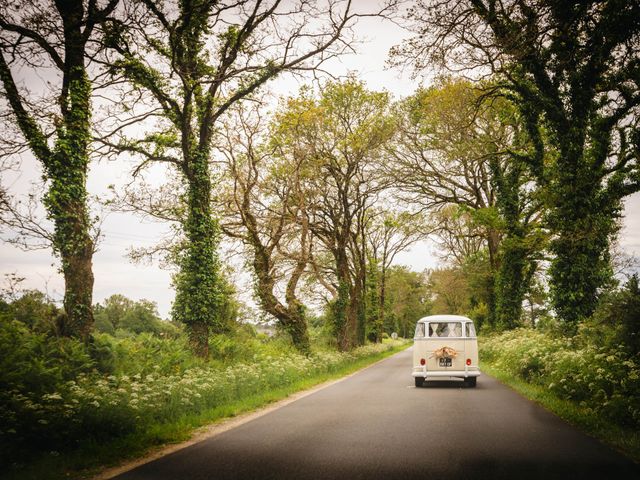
[422, 361]
[468, 361]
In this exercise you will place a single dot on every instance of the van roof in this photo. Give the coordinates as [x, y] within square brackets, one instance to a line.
[444, 318]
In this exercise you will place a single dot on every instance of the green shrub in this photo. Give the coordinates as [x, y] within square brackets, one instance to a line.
[37, 362]
[617, 319]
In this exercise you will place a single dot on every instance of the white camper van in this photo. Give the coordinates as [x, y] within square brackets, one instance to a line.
[445, 346]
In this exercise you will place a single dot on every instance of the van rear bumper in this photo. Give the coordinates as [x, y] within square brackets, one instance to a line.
[424, 373]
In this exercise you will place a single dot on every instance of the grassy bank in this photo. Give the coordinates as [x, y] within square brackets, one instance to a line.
[594, 389]
[118, 417]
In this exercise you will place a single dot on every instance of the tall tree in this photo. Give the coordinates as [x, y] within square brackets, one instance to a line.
[57, 35]
[265, 209]
[196, 59]
[340, 138]
[573, 69]
[462, 150]
[441, 161]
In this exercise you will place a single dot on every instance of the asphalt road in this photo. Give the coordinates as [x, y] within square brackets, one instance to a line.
[376, 424]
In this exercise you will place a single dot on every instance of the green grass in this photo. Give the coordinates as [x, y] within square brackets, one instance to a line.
[625, 440]
[91, 458]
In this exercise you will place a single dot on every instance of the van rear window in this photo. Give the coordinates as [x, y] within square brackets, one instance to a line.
[445, 329]
[471, 330]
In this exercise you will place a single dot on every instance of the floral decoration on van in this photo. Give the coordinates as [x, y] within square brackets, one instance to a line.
[445, 352]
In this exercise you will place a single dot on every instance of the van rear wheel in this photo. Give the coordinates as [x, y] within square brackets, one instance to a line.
[470, 381]
[419, 381]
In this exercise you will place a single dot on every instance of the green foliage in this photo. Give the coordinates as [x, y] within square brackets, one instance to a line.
[477, 271]
[406, 301]
[36, 362]
[580, 268]
[152, 382]
[34, 310]
[119, 313]
[604, 379]
[109, 314]
[337, 141]
[450, 289]
[616, 321]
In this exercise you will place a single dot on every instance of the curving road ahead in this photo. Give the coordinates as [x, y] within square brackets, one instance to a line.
[377, 425]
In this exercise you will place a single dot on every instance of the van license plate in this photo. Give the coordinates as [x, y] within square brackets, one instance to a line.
[445, 362]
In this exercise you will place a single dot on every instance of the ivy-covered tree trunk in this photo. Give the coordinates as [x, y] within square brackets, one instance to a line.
[295, 324]
[512, 281]
[517, 265]
[344, 321]
[493, 247]
[382, 302]
[373, 294]
[583, 218]
[358, 297]
[357, 311]
[66, 203]
[198, 283]
[67, 208]
[65, 165]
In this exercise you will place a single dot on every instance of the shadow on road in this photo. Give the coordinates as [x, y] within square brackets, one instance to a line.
[457, 383]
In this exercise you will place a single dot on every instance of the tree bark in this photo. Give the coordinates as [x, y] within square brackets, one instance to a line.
[65, 166]
[383, 299]
[344, 320]
[198, 286]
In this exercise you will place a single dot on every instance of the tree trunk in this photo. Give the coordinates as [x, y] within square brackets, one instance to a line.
[291, 317]
[359, 298]
[584, 219]
[295, 325]
[198, 282]
[78, 292]
[199, 338]
[383, 299]
[356, 314]
[511, 283]
[66, 169]
[343, 317]
[493, 244]
[67, 207]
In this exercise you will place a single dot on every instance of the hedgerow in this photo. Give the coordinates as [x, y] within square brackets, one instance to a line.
[602, 379]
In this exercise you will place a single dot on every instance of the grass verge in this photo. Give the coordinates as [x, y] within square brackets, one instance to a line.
[625, 440]
[91, 458]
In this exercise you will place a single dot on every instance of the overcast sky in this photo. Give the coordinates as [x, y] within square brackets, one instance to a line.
[114, 272]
